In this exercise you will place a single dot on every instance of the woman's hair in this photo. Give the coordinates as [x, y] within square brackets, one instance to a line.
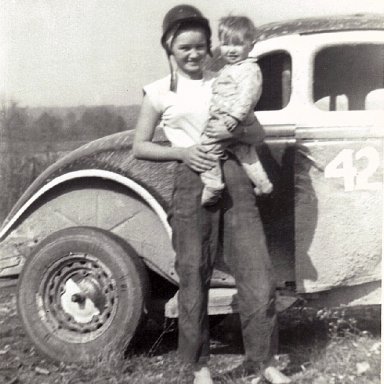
[180, 18]
[236, 29]
[171, 35]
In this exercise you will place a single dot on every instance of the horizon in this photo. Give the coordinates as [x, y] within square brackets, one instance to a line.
[56, 54]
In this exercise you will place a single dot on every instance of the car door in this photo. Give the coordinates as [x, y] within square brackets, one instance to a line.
[339, 164]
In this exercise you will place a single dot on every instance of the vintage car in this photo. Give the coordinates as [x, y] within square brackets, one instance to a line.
[91, 239]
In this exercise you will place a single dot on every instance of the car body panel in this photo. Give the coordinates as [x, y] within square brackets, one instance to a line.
[94, 198]
[331, 246]
[338, 213]
[107, 160]
[113, 154]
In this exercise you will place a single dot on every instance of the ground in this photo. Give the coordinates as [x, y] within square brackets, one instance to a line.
[314, 349]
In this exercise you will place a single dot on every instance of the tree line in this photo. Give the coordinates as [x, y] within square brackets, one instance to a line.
[33, 138]
[64, 124]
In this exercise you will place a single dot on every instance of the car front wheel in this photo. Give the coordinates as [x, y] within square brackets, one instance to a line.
[82, 295]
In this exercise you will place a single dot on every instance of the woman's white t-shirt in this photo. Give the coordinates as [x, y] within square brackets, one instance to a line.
[184, 114]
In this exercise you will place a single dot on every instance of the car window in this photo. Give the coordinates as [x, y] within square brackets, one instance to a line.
[349, 78]
[277, 75]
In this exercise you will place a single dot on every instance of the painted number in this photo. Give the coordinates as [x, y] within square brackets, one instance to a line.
[342, 166]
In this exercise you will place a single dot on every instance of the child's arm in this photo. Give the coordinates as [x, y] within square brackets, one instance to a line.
[249, 79]
[224, 130]
[249, 134]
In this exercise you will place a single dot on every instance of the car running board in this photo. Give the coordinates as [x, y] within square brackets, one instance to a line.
[224, 301]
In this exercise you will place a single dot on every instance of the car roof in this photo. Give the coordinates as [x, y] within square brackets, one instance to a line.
[320, 25]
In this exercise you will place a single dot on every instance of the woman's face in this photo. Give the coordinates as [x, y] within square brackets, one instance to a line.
[190, 49]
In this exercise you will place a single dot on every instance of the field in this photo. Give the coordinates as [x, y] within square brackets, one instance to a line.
[315, 348]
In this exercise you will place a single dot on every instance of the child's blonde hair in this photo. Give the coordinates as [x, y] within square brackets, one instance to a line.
[236, 29]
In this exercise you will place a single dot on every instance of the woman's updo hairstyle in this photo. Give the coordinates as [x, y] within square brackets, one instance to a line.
[180, 18]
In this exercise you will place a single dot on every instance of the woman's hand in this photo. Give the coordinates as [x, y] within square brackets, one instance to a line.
[197, 158]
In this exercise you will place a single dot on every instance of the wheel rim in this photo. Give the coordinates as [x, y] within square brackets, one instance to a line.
[77, 297]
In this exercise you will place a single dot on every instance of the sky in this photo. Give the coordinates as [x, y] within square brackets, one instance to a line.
[98, 52]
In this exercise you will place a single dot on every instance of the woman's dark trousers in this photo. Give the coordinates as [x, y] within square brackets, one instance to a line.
[234, 222]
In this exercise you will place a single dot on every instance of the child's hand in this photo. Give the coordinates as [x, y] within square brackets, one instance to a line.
[230, 122]
[218, 133]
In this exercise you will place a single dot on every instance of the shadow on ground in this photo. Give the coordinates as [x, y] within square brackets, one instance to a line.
[301, 332]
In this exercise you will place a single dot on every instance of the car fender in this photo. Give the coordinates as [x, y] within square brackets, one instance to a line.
[95, 198]
[96, 185]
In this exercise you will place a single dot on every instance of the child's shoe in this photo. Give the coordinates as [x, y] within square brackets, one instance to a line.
[263, 187]
[259, 178]
[210, 196]
[202, 376]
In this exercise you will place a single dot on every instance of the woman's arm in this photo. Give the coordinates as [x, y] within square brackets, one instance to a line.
[143, 147]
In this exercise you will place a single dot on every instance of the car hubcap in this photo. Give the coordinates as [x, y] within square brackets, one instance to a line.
[78, 297]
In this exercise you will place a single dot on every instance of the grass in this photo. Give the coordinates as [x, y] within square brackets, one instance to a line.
[315, 348]
[317, 352]
[337, 360]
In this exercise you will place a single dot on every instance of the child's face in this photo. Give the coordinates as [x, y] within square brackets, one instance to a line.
[233, 52]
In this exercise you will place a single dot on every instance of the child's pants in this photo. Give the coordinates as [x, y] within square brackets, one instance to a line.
[248, 157]
[213, 178]
[251, 163]
[197, 232]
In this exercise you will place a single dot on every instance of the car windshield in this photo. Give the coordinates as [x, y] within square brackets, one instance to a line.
[349, 78]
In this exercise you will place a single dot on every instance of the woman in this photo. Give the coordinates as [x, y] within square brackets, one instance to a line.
[181, 103]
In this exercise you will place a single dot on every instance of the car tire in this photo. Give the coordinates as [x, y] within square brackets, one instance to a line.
[82, 295]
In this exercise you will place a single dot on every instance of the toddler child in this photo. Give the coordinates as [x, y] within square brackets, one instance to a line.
[235, 93]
